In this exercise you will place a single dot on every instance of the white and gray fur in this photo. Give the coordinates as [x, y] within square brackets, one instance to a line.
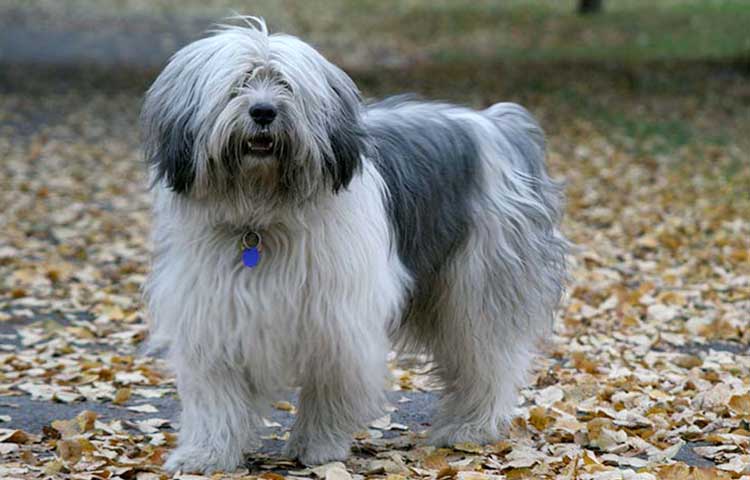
[406, 224]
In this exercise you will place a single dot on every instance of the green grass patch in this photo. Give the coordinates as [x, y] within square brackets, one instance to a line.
[448, 30]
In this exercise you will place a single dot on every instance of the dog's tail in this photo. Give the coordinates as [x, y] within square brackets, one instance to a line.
[532, 202]
[522, 143]
[524, 136]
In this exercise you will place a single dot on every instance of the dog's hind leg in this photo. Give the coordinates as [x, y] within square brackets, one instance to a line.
[481, 356]
[490, 306]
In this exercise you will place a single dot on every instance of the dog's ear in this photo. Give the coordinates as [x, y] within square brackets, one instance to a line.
[168, 140]
[345, 133]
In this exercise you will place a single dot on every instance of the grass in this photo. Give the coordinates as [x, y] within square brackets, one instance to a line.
[627, 31]
[450, 30]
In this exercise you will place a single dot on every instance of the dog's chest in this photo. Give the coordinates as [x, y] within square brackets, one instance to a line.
[265, 294]
[330, 273]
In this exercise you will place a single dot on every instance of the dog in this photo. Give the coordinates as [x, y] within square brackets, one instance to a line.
[300, 234]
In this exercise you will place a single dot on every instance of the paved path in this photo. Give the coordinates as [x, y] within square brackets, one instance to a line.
[94, 37]
[33, 415]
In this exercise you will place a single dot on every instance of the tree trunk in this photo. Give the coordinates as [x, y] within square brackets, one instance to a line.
[589, 6]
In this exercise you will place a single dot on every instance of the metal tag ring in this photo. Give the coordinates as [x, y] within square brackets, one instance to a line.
[251, 240]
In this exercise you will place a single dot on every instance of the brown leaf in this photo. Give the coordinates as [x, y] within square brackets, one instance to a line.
[446, 473]
[67, 428]
[69, 451]
[740, 404]
[13, 436]
[583, 363]
[688, 361]
[435, 462]
[271, 476]
[677, 471]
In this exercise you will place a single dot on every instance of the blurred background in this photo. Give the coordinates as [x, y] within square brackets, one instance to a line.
[652, 74]
[651, 70]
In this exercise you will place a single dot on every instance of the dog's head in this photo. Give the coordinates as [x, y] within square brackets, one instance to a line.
[243, 110]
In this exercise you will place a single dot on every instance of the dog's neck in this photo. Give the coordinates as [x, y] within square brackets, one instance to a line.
[245, 210]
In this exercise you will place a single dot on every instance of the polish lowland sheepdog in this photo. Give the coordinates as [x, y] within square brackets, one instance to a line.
[301, 234]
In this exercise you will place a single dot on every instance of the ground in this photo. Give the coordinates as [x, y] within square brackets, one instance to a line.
[648, 375]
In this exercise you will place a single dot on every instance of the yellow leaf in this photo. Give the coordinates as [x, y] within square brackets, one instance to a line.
[468, 447]
[539, 418]
[590, 459]
[86, 446]
[706, 473]
[53, 468]
[678, 471]
[518, 474]
[284, 406]
[121, 396]
[86, 420]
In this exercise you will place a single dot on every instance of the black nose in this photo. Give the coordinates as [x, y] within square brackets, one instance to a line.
[263, 113]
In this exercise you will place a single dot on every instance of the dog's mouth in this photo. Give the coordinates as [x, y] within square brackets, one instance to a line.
[259, 145]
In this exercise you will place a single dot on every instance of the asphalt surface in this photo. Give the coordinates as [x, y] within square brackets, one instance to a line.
[33, 415]
[91, 37]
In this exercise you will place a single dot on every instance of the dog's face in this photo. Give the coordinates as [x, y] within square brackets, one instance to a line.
[244, 111]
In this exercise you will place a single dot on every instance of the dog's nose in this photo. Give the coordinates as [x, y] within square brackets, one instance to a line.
[263, 113]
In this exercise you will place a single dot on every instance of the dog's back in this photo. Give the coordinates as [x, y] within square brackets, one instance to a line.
[430, 164]
[443, 162]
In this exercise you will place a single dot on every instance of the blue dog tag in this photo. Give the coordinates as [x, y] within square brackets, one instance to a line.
[250, 257]
[250, 245]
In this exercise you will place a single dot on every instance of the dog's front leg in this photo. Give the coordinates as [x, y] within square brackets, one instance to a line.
[343, 389]
[218, 423]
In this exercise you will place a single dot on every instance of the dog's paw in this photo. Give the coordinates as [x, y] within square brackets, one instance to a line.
[447, 435]
[311, 452]
[198, 459]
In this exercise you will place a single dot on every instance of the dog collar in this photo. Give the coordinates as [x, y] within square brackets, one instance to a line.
[250, 245]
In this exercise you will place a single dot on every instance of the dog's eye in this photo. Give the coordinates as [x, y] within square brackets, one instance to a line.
[285, 85]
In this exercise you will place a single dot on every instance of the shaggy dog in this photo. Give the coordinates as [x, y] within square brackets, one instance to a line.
[300, 234]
